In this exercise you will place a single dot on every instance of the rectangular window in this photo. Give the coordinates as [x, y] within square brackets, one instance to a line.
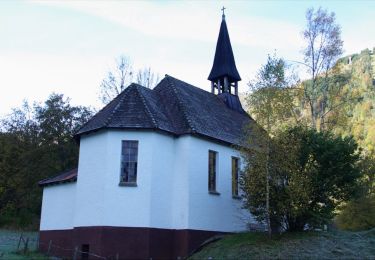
[129, 161]
[212, 171]
[235, 176]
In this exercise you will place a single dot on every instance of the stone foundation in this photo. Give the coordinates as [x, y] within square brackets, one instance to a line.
[126, 242]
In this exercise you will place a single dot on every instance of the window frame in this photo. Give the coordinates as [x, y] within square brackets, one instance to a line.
[235, 173]
[215, 172]
[134, 162]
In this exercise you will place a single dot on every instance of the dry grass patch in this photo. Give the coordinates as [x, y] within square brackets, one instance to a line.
[304, 245]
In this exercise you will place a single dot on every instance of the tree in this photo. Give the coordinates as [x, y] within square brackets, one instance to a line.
[121, 77]
[36, 142]
[359, 213]
[270, 102]
[323, 48]
[147, 78]
[117, 80]
[318, 173]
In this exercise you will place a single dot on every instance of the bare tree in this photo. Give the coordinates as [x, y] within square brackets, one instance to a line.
[324, 47]
[117, 80]
[147, 78]
[121, 77]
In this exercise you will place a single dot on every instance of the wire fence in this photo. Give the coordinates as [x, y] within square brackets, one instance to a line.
[58, 251]
[12, 242]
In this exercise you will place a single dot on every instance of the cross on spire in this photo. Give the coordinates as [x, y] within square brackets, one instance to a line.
[223, 9]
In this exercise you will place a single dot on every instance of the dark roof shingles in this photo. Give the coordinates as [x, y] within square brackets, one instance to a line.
[67, 176]
[173, 106]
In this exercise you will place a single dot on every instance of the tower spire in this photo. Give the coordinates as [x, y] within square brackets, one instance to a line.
[224, 75]
[223, 9]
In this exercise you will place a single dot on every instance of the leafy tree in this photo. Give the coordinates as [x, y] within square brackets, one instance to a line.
[121, 77]
[359, 214]
[323, 48]
[270, 102]
[35, 143]
[310, 174]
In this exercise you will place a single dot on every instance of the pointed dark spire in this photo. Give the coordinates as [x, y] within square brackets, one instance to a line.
[223, 9]
[224, 71]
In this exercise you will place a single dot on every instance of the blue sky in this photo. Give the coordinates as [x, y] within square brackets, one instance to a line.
[68, 46]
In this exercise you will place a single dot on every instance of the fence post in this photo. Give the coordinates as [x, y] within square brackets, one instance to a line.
[26, 245]
[75, 253]
[117, 256]
[19, 242]
[49, 247]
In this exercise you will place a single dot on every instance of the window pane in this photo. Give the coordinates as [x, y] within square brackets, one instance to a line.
[129, 159]
[212, 171]
[234, 176]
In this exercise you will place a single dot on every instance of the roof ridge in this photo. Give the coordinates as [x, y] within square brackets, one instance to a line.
[97, 113]
[145, 105]
[187, 118]
[104, 107]
[191, 85]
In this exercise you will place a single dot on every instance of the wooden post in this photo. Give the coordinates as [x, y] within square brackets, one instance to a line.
[236, 88]
[117, 256]
[49, 247]
[26, 245]
[218, 86]
[75, 253]
[19, 242]
[212, 87]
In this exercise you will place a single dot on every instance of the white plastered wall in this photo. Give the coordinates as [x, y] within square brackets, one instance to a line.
[172, 185]
[210, 211]
[58, 207]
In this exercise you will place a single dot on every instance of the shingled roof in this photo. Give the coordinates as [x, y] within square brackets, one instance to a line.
[175, 107]
[67, 176]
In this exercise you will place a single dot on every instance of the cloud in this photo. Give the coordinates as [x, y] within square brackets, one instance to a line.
[189, 21]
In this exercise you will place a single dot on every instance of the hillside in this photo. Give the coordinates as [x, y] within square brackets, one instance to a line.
[358, 116]
[317, 245]
[352, 82]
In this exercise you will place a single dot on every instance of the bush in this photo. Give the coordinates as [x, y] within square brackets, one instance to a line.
[310, 173]
[357, 215]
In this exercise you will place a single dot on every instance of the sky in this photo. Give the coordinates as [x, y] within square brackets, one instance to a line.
[68, 47]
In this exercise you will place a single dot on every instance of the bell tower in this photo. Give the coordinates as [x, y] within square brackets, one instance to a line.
[224, 76]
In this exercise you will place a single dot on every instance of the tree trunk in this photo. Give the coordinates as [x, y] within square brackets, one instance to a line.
[296, 224]
[268, 181]
[268, 198]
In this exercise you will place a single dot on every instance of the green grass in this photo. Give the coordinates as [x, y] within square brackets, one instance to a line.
[303, 245]
[9, 242]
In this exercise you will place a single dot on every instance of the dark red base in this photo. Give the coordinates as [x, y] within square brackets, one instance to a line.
[126, 242]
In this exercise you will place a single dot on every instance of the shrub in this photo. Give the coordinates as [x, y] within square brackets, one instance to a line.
[310, 174]
[357, 215]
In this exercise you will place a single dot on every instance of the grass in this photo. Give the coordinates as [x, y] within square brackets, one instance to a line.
[9, 243]
[303, 245]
